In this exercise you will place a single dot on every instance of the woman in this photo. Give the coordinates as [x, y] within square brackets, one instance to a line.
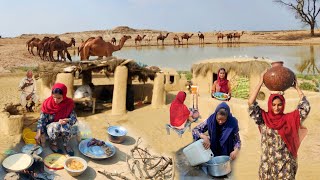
[281, 134]
[223, 132]
[179, 113]
[221, 84]
[56, 118]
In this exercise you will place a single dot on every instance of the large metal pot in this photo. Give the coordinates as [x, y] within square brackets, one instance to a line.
[219, 166]
[117, 134]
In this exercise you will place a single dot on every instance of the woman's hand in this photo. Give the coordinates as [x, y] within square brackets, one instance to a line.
[206, 141]
[261, 76]
[38, 137]
[64, 121]
[234, 153]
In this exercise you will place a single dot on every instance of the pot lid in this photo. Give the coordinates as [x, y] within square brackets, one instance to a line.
[117, 131]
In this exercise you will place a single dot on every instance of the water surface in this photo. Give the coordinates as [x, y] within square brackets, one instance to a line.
[298, 58]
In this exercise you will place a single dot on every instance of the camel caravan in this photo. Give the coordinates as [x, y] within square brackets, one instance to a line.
[97, 46]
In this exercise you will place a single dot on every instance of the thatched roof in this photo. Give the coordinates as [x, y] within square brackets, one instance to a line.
[243, 67]
[51, 69]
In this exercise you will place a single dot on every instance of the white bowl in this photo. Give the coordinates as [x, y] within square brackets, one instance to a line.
[75, 172]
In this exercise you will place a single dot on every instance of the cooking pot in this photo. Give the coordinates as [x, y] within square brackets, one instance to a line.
[117, 134]
[218, 166]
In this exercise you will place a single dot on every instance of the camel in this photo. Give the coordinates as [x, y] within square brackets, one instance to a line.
[99, 47]
[237, 35]
[229, 37]
[201, 38]
[186, 36]
[58, 45]
[41, 44]
[176, 38]
[148, 38]
[114, 41]
[61, 47]
[46, 49]
[219, 35]
[32, 43]
[139, 39]
[162, 38]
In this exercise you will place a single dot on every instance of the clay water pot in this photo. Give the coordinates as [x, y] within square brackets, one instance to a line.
[278, 77]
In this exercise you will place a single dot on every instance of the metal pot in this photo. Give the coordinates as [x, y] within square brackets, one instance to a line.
[219, 166]
[117, 134]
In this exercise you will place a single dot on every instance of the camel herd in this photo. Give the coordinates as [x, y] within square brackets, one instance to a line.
[97, 46]
[231, 37]
[47, 45]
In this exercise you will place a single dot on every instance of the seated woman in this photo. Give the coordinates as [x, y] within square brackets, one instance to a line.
[221, 84]
[56, 118]
[223, 132]
[179, 113]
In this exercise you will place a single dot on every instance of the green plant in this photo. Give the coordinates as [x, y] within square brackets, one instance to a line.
[307, 86]
[242, 89]
[188, 74]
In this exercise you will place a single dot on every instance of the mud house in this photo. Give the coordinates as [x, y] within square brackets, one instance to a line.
[205, 72]
[123, 73]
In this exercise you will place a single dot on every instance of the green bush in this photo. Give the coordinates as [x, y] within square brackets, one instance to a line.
[188, 74]
[242, 89]
[307, 86]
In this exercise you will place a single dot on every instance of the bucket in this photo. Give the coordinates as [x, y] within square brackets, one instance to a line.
[197, 154]
[28, 136]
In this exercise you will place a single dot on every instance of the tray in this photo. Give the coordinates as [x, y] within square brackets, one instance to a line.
[96, 152]
[221, 96]
[55, 161]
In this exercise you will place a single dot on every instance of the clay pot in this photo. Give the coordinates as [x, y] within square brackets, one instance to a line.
[278, 77]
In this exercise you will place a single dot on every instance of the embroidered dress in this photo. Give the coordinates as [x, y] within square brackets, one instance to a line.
[53, 129]
[277, 162]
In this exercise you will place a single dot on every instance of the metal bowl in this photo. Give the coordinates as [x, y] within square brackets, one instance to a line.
[219, 166]
[117, 134]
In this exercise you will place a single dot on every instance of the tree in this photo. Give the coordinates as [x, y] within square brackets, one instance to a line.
[305, 10]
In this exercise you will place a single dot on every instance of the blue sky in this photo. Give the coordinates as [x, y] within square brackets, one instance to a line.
[59, 16]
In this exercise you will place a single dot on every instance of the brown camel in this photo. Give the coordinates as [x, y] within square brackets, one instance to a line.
[61, 47]
[41, 44]
[114, 41]
[80, 48]
[139, 39]
[229, 37]
[186, 36]
[46, 49]
[32, 43]
[201, 38]
[162, 38]
[176, 38]
[99, 47]
[219, 35]
[237, 35]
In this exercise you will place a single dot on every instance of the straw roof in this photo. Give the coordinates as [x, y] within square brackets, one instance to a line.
[243, 67]
[109, 65]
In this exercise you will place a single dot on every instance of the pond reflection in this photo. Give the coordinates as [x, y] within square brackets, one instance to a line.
[302, 59]
[308, 63]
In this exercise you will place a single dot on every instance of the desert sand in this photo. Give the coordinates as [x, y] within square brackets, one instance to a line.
[148, 123]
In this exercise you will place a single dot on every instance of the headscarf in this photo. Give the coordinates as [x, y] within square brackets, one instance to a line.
[61, 110]
[179, 112]
[287, 125]
[230, 127]
[223, 83]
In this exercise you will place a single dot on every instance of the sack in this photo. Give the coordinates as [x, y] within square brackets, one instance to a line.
[84, 131]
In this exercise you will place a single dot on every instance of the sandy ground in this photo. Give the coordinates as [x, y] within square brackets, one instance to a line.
[148, 123]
